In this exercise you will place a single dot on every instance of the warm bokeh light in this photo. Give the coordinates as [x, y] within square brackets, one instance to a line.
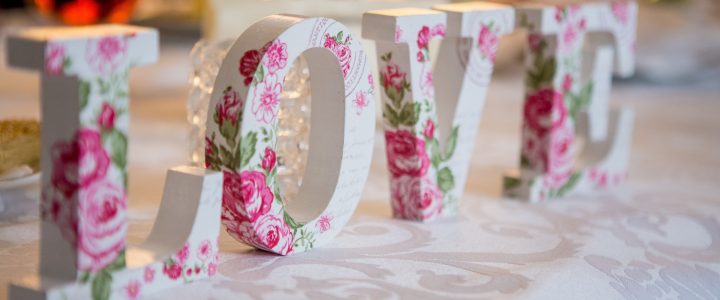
[85, 12]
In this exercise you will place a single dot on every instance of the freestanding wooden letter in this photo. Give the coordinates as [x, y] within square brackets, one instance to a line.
[567, 97]
[431, 117]
[83, 253]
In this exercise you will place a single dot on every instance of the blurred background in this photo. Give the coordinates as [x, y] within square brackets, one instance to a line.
[678, 40]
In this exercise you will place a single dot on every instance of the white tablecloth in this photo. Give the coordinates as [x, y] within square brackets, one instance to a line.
[657, 237]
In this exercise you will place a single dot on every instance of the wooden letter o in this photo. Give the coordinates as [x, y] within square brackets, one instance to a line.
[241, 135]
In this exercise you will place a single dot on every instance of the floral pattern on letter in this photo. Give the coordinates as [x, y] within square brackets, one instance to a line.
[340, 46]
[253, 208]
[360, 102]
[420, 180]
[266, 103]
[488, 41]
[276, 57]
[106, 54]
[55, 59]
[101, 234]
[406, 154]
[554, 97]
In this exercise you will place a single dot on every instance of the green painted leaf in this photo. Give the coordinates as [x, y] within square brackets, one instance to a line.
[226, 157]
[580, 101]
[524, 161]
[84, 93]
[451, 145]
[409, 114]
[569, 185]
[119, 148]
[416, 114]
[259, 73]
[85, 277]
[445, 179]
[121, 94]
[533, 79]
[339, 37]
[118, 264]
[395, 95]
[435, 153]
[548, 71]
[101, 285]
[510, 183]
[247, 149]
[67, 62]
[104, 86]
[391, 115]
[230, 132]
[290, 221]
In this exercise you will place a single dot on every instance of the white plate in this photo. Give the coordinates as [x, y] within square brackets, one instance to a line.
[6, 185]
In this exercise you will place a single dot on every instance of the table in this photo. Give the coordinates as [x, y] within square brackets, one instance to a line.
[658, 236]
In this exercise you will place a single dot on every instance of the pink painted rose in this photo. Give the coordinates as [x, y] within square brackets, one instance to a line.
[208, 148]
[101, 233]
[183, 254]
[429, 131]
[420, 56]
[55, 59]
[569, 36]
[106, 54]
[360, 102]
[559, 166]
[344, 54]
[620, 10]
[406, 154]
[106, 119]
[330, 42]
[544, 110]
[58, 208]
[79, 162]
[573, 9]
[205, 250]
[238, 226]
[212, 269]
[415, 198]
[532, 150]
[273, 234]
[341, 50]
[426, 84]
[392, 77]
[172, 270]
[559, 13]
[132, 290]
[247, 194]
[248, 65]
[438, 30]
[534, 40]
[323, 223]
[149, 275]
[567, 83]
[423, 38]
[276, 57]
[265, 106]
[487, 42]
[229, 108]
[268, 161]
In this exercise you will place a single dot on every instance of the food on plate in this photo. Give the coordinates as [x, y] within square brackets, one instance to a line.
[19, 146]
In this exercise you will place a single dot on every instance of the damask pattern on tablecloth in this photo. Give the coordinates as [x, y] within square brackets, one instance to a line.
[634, 244]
